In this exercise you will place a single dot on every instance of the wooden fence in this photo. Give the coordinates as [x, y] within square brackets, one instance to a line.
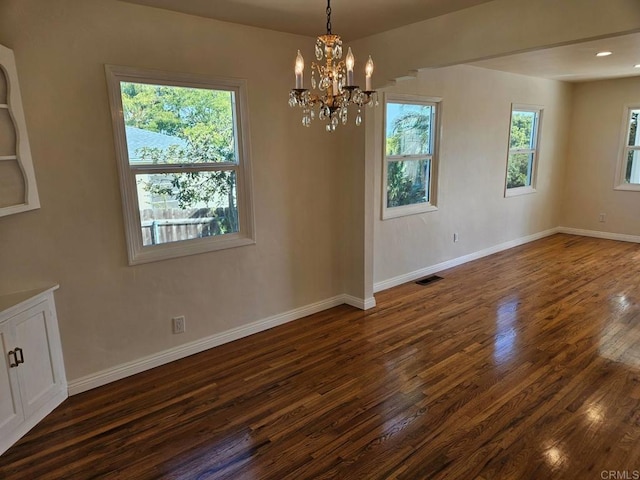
[173, 224]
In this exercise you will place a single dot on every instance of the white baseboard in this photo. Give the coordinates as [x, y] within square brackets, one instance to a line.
[623, 237]
[454, 262]
[361, 303]
[146, 363]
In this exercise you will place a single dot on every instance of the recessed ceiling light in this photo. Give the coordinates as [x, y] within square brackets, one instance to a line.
[603, 54]
[636, 66]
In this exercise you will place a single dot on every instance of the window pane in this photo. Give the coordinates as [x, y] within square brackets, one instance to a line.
[182, 206]
[408, 182]
[165, 124]
[408, 129]
[523, 125]
[519, 170]
[632, 174]
[634, 138]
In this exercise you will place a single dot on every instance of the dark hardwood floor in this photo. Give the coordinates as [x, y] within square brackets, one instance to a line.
[521, 365]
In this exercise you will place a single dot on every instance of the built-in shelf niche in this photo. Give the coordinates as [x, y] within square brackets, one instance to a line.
[18, 191]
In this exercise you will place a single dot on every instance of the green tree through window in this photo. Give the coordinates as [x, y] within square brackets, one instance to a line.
[633, 129]
[203, 120]
[409, 131]
[522, 147]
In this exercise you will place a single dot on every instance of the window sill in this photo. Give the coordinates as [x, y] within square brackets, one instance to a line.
[404, 211]
[629, 187]
[516, 192]
[184, 248]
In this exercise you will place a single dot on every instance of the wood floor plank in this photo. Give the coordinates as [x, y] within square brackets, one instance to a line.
[521, 365]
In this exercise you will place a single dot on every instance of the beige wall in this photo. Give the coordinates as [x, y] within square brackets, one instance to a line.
[111, 313]
[594, 148]
[475, 108]
[352, 198]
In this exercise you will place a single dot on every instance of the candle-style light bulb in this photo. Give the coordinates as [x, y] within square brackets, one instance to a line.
[299, 69]
[349, 62]
[368, 70]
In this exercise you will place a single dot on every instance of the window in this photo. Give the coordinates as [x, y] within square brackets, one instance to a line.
[410, 162]
[183, 158]
[628, 174]
[523, 149]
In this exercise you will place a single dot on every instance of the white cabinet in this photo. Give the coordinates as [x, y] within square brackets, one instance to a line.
[32, 378]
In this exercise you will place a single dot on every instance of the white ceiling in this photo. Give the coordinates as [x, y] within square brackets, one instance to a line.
[575, 63]
[351, 19]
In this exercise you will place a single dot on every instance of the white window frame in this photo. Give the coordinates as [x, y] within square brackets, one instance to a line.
[621, 167]
[431, 205]
[538, 110]
[137, 252]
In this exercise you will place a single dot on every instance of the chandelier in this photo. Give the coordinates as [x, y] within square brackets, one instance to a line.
[335, 86]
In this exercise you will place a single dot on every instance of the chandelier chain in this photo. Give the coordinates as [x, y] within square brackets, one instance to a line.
[329, 17]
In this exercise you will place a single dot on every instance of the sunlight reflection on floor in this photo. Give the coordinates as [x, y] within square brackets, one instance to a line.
[618, 341]
[506, 335]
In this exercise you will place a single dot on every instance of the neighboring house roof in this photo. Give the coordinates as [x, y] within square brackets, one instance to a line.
[138, 138]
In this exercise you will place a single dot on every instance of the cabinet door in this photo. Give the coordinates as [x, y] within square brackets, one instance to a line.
[37, 375]
[11, 414]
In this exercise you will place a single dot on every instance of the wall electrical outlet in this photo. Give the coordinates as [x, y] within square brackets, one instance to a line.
[455, 237]
[178, 324]
[602, 217]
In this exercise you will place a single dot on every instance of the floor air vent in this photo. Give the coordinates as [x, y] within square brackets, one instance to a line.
[428, 280]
